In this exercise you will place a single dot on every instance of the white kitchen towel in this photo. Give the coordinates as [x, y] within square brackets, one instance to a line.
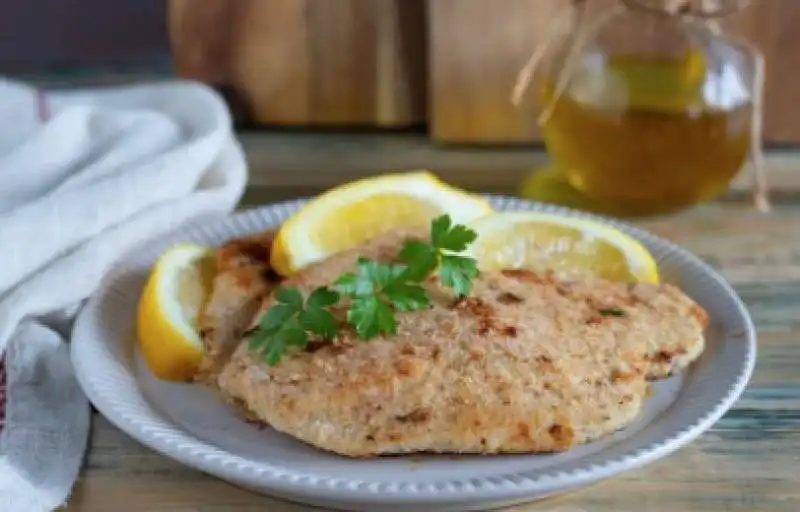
[85, 176]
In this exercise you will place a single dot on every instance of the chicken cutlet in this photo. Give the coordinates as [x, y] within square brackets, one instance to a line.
[243, 278]
[526, 363]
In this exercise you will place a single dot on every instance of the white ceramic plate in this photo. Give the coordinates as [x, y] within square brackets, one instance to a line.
[191, 425]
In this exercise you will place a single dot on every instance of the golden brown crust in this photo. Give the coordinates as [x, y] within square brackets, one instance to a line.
[487, 374]
[243, 278]
[253, 250]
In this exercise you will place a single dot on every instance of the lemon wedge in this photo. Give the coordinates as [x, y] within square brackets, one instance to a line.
[169, 306]
[348, 215]
[570, 247]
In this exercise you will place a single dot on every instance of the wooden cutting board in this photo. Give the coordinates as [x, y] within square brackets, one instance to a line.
[307, 62]
[476, 49]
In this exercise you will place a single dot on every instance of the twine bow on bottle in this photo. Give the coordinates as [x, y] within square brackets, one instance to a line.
[572, 20]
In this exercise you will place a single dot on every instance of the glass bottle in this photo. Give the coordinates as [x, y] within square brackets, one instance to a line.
[644, 111]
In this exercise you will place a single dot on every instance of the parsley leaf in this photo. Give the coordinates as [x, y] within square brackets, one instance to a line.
[379, 274]
[293, 333]
[451, 238]
[371, 287]
[319, 321]
[290, 333]
[457, 273]
[259, 340]
[439, 228]
[291, 297]
[322, 297]
[368, 279]
[347, 284]
[289, 322]
[407, 296]
[371, 317]
[421, 259]
[274, 350]
[275, 317]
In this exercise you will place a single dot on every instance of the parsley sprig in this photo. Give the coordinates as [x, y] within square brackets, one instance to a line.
[374, 291]
[289, 322]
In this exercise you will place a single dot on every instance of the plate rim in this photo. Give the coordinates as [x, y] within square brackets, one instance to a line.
[203, 455]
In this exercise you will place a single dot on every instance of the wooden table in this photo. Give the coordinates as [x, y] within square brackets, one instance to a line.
[749, 461]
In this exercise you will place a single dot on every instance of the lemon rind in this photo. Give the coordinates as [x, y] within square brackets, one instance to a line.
[299, 244]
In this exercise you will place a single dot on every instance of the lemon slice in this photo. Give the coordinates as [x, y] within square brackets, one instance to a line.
[348, 215]
[169, 306]
[571, 247]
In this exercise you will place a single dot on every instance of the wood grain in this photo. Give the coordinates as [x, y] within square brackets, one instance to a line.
[475, 53]
[471, 77]
[305, 62]
[746, 462]
[772, 26]
[280, 163]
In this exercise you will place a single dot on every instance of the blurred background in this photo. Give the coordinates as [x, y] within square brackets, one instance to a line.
[371, 85]
[443, 64]
[67, 38]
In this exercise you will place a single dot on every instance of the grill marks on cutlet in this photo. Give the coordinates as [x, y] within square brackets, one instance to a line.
[509, 299]
[478, 308]
[246, 251]
[247, 259]
[598, 311]
[485, 311]
[418, 415]
[563, 435]
[527, 276]
[486, 314]
[700, 315]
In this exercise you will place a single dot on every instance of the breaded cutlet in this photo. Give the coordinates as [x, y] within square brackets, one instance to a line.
[526, 363]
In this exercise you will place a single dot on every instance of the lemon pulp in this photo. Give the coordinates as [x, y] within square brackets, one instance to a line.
[569, 247]
[350, 214]
[169, 308]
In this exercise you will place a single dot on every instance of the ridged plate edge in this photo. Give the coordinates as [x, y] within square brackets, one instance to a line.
[103, 384]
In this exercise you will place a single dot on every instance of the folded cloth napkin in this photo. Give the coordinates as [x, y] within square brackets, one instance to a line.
[84, 176]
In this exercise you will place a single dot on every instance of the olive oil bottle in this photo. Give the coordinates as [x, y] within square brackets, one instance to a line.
[638, 131]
